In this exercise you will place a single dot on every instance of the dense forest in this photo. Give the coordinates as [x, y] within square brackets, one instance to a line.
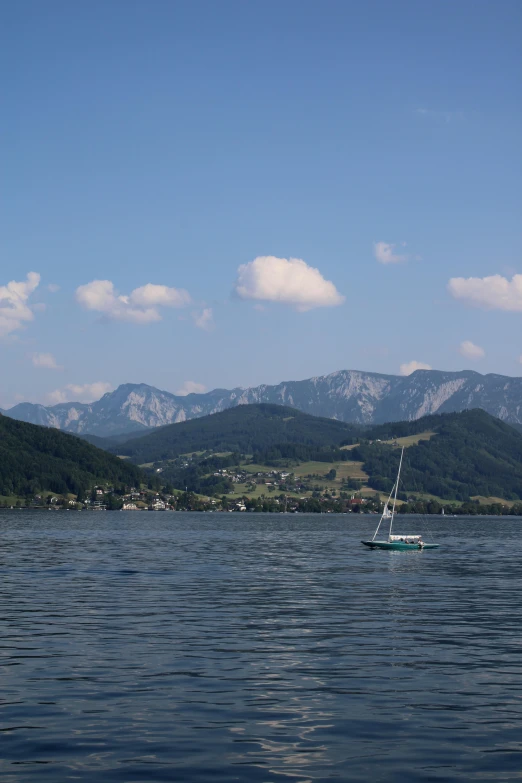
[246, 429]
[35, 459]
[472, 453]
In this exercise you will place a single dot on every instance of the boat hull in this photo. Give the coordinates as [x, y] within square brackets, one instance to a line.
[397, 545]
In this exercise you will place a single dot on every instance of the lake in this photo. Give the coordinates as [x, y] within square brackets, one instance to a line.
[151, 647]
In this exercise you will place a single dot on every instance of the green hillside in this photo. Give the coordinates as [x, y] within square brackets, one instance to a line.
[247, 429]
[470, 454]
[38, 459]
[453, 456]
[265, 448]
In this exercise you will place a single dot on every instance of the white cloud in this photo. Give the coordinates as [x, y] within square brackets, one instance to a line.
[384, 253]
[191, 387]
[471, 351]
[409, 367]
[491, 293]
[151, 295]
[45, 360]
[140, 306]
[14, 310]
[288, 281]
[88, 392]
[53, 288]
[205, 319]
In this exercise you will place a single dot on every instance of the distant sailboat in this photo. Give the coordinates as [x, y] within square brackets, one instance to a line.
[394, 541]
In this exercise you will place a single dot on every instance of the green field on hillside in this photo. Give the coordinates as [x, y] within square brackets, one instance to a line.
[344, 470]
[410, 440]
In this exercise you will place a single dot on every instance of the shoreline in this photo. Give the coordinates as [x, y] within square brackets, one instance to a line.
[433, 517]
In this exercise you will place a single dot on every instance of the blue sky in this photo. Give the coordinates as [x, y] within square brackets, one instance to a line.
[185, 154]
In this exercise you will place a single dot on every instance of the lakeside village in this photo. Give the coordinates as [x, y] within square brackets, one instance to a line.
[281, 498]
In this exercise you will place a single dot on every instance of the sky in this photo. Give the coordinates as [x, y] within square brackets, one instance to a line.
[201, 194]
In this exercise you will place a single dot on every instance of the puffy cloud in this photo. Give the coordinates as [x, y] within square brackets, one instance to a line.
[471, 351]
[45, 360]
[88, 392]
[53, 288]
[140, 306]
[151, 295]
[288, 281]
[191, 387]
[205, 319]
[384, 253]
[409, 367]
[14, 309]
[492, 293]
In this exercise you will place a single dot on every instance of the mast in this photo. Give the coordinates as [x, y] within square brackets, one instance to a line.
[395, 495]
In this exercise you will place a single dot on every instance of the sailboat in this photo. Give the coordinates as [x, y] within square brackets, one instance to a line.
[403, 541]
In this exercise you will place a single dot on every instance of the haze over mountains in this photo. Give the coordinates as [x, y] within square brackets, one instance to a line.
[346, 395]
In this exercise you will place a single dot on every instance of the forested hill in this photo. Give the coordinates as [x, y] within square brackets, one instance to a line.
[246, 429]
[453, 456]
[35, 459]
[464, 455]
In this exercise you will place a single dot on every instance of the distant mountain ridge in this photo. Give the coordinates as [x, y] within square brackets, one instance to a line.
[347, 395]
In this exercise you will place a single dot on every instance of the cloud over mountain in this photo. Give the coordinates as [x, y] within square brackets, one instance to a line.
[288, 281]
[87, 392]
[140, 306]
[191, 387]
[471, 351]
[409, 367]
[492, 293]
[14, 308]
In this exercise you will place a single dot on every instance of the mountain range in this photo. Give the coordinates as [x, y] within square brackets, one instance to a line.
[347, 395]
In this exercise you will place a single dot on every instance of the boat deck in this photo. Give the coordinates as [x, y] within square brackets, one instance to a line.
[397, 545]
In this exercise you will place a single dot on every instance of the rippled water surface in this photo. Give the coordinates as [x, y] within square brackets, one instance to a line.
[253, 647]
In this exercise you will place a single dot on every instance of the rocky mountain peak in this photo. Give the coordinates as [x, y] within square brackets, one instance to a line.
[347, 395]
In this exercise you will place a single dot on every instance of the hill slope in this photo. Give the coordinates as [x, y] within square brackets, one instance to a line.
[347, 395]
[453, 456]
[246, 428]
[471, 453]
[35, 459]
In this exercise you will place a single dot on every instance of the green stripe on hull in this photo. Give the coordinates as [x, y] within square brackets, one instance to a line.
[397, 545]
